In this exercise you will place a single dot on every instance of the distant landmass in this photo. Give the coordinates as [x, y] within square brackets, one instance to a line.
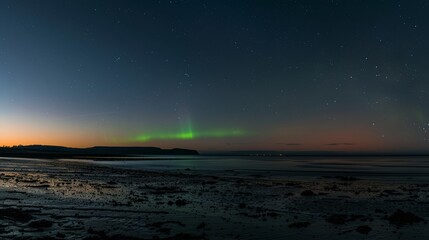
[44, 151]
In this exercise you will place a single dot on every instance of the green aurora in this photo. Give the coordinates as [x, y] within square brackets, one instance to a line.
[188, 134]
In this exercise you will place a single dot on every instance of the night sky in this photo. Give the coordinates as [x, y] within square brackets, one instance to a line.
[216, 75]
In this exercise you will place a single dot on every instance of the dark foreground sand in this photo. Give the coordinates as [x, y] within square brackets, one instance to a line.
[71, 200]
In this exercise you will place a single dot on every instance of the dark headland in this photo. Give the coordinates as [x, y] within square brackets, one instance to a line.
[52, 152]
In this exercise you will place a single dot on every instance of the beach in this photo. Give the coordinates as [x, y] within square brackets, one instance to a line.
[52, 199]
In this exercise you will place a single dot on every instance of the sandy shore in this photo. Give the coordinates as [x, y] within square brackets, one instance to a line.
[71, 200]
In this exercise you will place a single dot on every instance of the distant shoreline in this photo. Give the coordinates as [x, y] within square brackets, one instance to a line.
[56, 152]
[109, 153]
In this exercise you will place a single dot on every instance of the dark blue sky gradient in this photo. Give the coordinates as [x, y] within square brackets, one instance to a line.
[289, 75]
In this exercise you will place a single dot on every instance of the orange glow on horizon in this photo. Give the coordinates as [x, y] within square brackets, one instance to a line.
[23, 130]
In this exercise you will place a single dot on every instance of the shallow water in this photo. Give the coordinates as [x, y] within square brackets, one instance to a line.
[389, 168]
[78, 197]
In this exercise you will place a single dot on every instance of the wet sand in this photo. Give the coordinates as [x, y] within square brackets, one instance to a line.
[50, 199]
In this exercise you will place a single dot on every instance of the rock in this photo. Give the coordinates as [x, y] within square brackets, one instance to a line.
[337, 219]
[46, 238]
[15, 214]
[299, 225]
[242, 205]
[161, 224]
[40, 224]
[340, 219]
[181, 202]
[165, 230]
[185, 236]
[365, 229]
[379, 211]
[346, 178]
[308, 193]
[60, 235]
[401, 218]
[201, 225]
[100, 233]
[342, 178]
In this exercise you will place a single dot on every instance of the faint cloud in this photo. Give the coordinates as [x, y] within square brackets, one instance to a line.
[237, 143]
[340, 144]
[290, 144]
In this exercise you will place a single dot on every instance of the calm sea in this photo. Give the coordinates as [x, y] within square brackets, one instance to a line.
[389, 168]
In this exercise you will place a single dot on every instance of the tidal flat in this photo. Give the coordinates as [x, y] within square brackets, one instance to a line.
[51, 199]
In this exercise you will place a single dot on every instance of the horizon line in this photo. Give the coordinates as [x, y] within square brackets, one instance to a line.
[260, 152]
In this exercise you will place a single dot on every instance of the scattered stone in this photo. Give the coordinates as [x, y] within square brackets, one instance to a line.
[114, 237]
[185, 236]
[401, 218]
[272, 214]
[346, 178]
[46, 238]
[299, 225]
[164, 230]
[308, 193]
[242, 205]
[15, 214]
[100, 232]
[338, 219]
[161, 224]
[181, 202]
[391, 192]
[379, 211]
[60, 235]
[343, 178]
[201, 225]
[40, 224]
[365, 229]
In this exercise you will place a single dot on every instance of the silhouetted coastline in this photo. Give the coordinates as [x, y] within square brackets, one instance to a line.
[55, 152]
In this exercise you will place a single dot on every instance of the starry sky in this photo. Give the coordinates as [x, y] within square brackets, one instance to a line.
[216, 75]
